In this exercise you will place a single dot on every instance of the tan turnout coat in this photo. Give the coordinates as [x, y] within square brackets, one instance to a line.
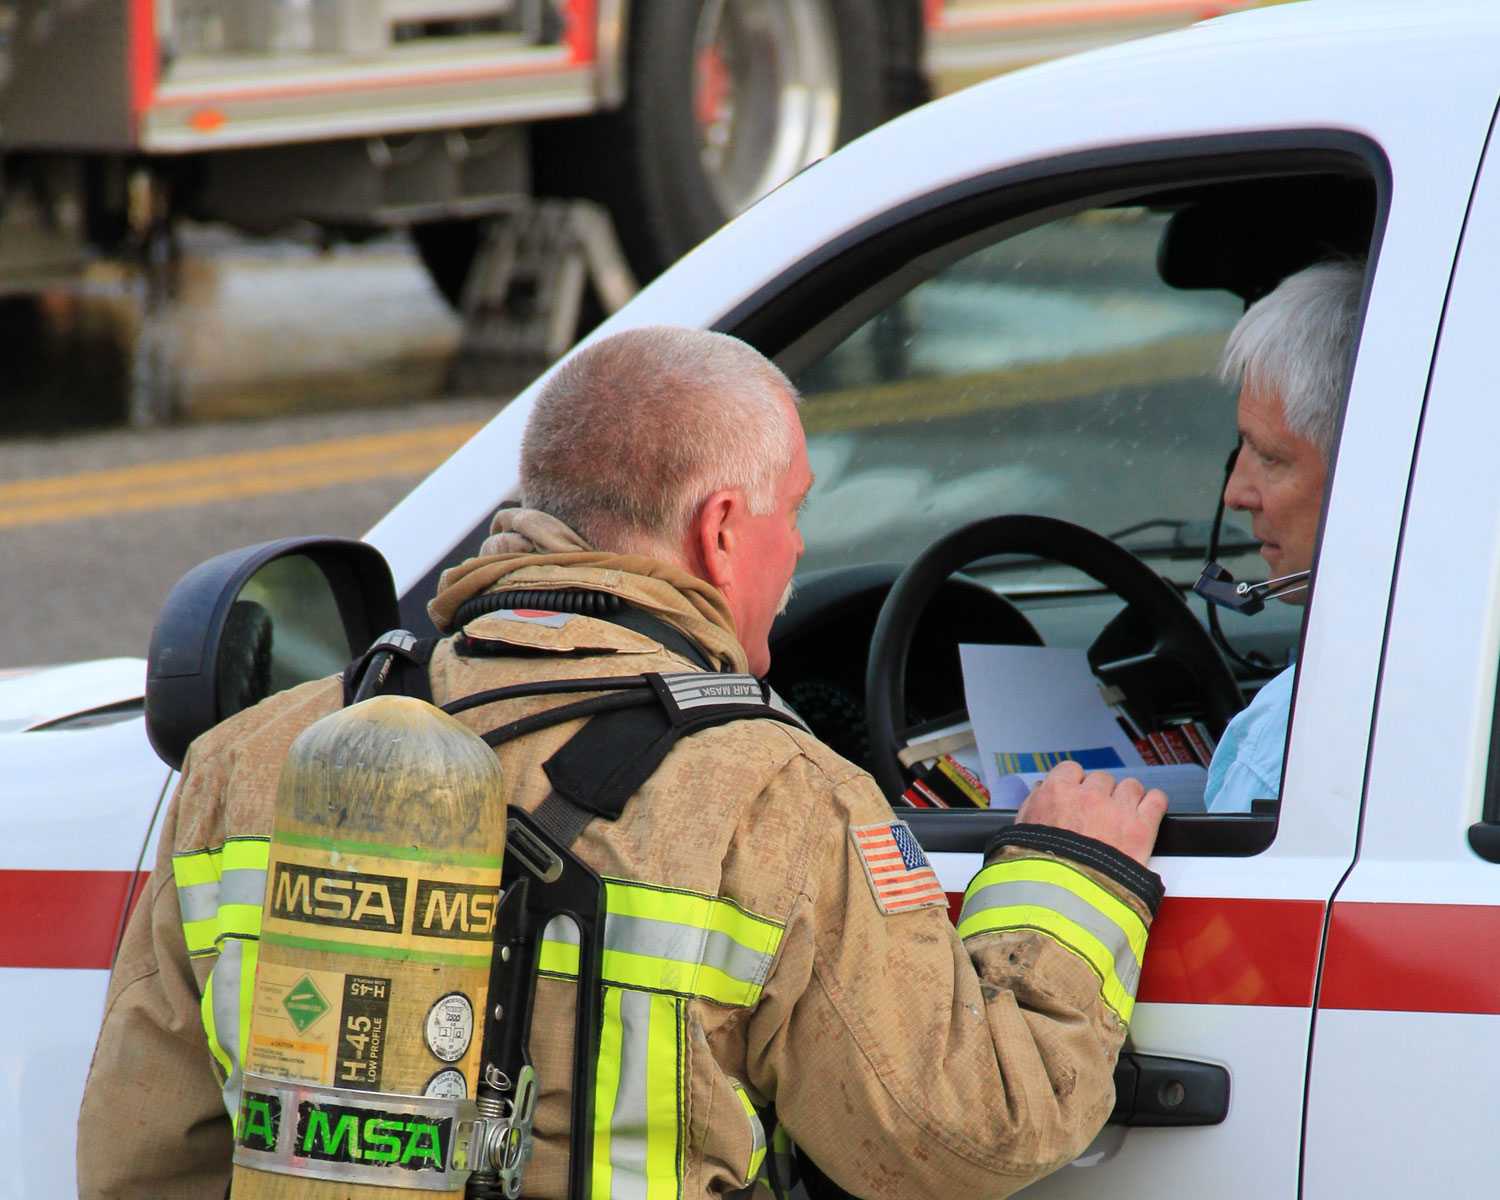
[906, 1062]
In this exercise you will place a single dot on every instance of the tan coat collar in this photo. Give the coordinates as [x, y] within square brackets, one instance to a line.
[693, 606]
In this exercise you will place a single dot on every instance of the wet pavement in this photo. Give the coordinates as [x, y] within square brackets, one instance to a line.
[309, 392]
[255, 328]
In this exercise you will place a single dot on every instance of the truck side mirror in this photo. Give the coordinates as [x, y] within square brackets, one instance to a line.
[256, 621]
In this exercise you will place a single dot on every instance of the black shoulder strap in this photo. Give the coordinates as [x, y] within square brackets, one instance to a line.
[396, 664]
[602, 765]
[632, 726]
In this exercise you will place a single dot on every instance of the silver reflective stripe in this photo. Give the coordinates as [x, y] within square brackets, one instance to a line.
[685, 944]
[226, 1005]
[1063, 902]
[629, 1123]
[698, 689]
[398, 639]
[200, 901]
[243, 886]
[561, 929]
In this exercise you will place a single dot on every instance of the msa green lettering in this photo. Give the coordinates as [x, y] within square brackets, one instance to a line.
[383, 1140]
[258, 1123]
[423, 1149]
[335, 1133]
[319, 1140]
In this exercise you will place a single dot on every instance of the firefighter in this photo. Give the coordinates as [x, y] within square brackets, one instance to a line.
[777, 940]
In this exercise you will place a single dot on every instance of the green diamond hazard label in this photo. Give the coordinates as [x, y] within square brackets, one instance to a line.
[304, 1004]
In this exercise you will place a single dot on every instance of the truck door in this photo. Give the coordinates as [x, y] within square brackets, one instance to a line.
[1051, 348]
[1407, 1035]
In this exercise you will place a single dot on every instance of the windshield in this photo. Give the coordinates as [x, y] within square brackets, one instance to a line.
[1051, 372]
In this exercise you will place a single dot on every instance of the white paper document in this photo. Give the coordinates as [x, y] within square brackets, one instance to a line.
[1183, 783]
[1033, 707]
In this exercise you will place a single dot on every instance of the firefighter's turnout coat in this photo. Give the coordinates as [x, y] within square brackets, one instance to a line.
[775, 938]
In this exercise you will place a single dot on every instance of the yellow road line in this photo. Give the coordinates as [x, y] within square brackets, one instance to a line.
[943, 397]
[384, 455]
[228, 476]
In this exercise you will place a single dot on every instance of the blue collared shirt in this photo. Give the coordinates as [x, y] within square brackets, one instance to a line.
[1247, 761]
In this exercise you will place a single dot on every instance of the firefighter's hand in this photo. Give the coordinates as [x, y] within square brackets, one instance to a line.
[1123, 815]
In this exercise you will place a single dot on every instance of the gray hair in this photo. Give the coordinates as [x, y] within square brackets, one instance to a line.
[633, 433]
[1298, 342]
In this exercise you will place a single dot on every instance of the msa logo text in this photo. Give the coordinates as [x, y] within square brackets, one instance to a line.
[326, 897]
[455, 910]
[333, 1133]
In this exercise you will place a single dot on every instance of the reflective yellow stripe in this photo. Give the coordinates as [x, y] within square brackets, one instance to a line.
[663, 1095]
[197, 878]
[691, 945]
[1068, 906]
[661, 948]
[206, 1006]
[1048, 870]
[606, 1087]
[239, 920]
[220, 891]
[558, 958]
[757, 1135]
[246, 854]
[251, 952]
[684, 979]
[639, 1097]
[200, 936]
[690, 908]
[199, 866]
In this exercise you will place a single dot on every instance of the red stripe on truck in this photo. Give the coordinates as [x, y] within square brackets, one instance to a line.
[1209, 950]
[62, 919]
[1413, 958]
[1219, 951]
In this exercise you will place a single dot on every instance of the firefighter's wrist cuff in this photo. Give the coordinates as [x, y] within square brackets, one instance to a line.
[1124, 870]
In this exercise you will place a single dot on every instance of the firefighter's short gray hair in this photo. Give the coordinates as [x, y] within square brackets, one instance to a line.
[1298, 342]
[632, 434]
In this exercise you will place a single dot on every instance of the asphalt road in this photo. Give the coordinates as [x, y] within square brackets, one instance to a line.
[311, 395]
[95, 529]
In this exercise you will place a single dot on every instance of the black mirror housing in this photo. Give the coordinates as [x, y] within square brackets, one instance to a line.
[255, 621]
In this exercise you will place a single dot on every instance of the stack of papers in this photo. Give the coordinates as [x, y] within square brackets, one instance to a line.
[1033, 707]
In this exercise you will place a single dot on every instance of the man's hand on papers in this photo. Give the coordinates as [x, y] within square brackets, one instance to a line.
[1123, 815]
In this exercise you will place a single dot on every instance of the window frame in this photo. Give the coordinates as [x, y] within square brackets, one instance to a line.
[813, 302]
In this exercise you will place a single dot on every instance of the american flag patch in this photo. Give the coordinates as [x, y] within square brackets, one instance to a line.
[899, 873]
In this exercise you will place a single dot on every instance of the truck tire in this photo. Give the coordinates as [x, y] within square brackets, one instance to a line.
[726, 100]
[646, 162]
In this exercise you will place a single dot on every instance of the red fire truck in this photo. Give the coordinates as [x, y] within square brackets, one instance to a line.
[118, 117]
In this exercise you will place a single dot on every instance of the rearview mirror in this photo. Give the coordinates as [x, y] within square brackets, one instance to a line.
[256, 621]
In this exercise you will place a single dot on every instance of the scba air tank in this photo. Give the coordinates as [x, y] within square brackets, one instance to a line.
[376, 938]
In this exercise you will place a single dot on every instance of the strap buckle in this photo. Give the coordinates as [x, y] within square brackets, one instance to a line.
[504, 1141]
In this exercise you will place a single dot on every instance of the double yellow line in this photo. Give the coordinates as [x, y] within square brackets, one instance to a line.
[228, 476]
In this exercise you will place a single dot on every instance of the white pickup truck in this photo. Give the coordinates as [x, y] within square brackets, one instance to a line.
[1011, 301]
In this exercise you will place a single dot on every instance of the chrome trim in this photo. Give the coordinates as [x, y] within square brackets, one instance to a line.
[611, 47]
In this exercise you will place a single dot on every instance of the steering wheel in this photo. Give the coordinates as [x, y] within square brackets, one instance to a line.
[1162, 634]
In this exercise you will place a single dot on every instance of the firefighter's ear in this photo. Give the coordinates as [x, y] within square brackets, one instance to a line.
[712, 538]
